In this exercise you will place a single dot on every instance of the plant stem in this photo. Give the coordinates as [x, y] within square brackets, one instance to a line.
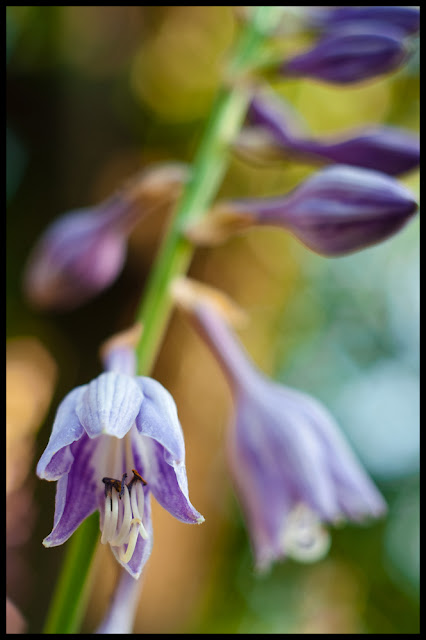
[174, 258]
[208, 170]
[72, 589]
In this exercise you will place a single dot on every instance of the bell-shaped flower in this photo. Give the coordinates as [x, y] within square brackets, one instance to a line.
[114, 442]
[406, 20]
[336, 211]
[293, 469]
[386, 149]
[348, 56]
[82, 252]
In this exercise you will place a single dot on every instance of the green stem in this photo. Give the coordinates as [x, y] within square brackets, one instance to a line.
[72, 589]
[208, 169]
[174, 258]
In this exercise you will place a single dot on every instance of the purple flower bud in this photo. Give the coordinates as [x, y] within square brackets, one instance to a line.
[83, 251]
[387, 149]
[405, 19]
[336, 211]
[78, 256]
[348, 57]
[292, 468]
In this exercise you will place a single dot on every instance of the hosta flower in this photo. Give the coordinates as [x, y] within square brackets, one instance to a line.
[292, 468]
[82, 252]
[114, 442]
[336, 211]
[345, 57]
[387, 149]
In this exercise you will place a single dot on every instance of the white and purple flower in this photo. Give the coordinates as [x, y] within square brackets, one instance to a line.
[292, 468]
[114, 442]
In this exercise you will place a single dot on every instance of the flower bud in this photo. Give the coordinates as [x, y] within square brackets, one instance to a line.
[336, 211]
[386, 149]
[348, 57]
[405, 19]
[82, 252]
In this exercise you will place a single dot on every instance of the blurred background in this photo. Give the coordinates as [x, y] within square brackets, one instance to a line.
[93, 95]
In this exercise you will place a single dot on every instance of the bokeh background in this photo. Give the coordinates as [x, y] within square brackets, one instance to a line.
[93, 95]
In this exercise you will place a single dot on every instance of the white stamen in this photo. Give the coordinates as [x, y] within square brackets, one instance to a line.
[123, 532]
[126, 557]
[123, 519]
[107, 519]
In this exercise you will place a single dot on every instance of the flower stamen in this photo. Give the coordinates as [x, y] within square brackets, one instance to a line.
[122, 517]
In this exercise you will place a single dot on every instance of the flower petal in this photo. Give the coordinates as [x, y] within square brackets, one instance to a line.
[166, 479]
[159, 420]
[109, 405]
[77, 493]
[57, 458]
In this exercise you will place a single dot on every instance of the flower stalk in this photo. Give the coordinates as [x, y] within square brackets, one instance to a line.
[173, 259]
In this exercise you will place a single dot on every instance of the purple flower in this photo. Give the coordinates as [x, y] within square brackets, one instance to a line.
[82, 252]
[292, 468]
[114, 442]
[348, 56]
[405, 19]
[336, 211]
[385, 149]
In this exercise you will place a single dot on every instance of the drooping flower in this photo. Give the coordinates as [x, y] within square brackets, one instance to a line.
[336, 211]
[387, 149]
[82, 252]
[114, 442]
[293, 470]
[348, 56]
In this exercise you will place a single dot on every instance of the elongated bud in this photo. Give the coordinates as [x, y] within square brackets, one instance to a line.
[82, 252]
[348, 57]
[405, 19]
[336, 211]
[386, 149]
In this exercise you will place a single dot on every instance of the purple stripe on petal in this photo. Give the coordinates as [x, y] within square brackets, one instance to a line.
[110, 405]
[77, 493]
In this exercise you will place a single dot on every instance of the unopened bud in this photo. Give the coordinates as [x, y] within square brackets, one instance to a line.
[348, 57]
[336, 211]
[386, 149]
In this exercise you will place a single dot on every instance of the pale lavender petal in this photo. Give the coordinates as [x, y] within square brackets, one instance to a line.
[166, 478]
[109, 405]
[77, 492]
[159, 420]
[357, 495]
[57, 459]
